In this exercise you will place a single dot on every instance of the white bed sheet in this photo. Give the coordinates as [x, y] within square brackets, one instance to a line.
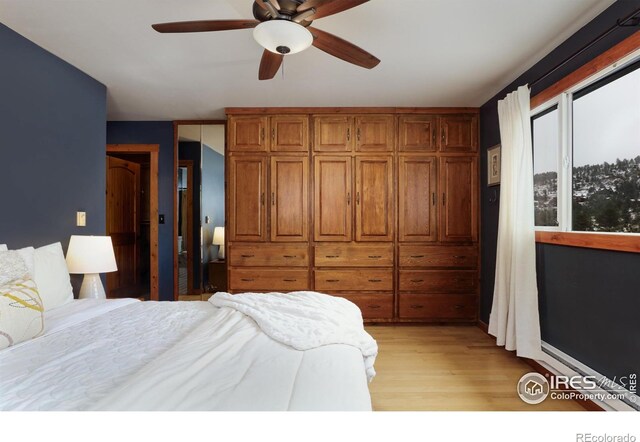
[174, 356]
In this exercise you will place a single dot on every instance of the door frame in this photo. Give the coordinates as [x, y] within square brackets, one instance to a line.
[154, 153]
[189, 243]
[176, 123]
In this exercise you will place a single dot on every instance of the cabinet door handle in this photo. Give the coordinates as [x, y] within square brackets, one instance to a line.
[262, 199]
[273, 198]
[417, 256]
[289, 256]
[348, 134]
[373, 306]
[375, 256]
[247, 256]
[289, 280]
[273, 134]
[444, 196]
[332, 256]
[375, 280]
[417, 280]
[434, 136]
[358, 135]
[247, 279]
[333, 280]
[358, 198]
[417, 306]
[349, 199]
[433, 198]
[262, 134]
[443, 135]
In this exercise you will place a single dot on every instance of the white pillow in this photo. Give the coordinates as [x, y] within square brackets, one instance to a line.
[3, 248]
[52, 276]
[21, 312]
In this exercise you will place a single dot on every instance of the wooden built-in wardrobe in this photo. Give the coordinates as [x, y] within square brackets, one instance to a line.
[379, 206]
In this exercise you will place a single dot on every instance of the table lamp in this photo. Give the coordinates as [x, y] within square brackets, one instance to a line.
[91, 255]
[218, 240]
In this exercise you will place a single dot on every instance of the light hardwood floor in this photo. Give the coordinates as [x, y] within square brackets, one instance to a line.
[448, 368]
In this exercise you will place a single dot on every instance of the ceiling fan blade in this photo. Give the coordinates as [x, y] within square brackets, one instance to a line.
[205, 26]
[269, 65]
[325, 8]
[342, 49]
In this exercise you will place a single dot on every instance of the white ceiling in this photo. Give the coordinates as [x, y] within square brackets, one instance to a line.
[433, 52]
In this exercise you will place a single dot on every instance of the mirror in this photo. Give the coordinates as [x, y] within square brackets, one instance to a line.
[200, 208]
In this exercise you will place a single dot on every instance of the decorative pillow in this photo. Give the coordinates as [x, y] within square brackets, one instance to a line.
[12, 267]
[52, 276]
[21, 311]
[27, 256]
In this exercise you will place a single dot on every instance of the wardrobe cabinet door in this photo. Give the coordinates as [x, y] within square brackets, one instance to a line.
[248, 134]
[459, 195]
[289, 198]
[333, 134]
[247, 194]
[290, 133]
[375, 133]
[459, 133]
[418, 133]
[417, 198]
[332, 199]
[374, 198]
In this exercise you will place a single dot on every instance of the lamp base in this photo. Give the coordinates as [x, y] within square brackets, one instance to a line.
[220, 252]
[92, 287]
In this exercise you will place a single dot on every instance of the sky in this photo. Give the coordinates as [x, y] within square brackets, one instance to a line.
[606, 126]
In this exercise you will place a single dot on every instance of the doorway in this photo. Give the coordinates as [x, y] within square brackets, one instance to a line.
[132, 220]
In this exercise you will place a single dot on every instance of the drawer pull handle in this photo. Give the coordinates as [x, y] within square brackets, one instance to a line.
[417, 256]
[289, 256]
[375, 280]
[333, 280]
[289, 280]
[417, 280]
[459, 256]
[332, 256]
[373, 306]
[247, 256]
[458, 307]
[417, 306]
[375, 256]
[247, 279]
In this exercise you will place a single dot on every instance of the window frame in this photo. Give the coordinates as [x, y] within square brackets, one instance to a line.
[561, 94]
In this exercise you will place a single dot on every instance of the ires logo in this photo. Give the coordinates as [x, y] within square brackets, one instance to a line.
[572, 382]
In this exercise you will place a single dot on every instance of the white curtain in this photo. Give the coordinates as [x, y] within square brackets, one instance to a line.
[514, 317]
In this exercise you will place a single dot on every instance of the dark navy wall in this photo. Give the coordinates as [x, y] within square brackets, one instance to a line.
[52, 146]
[154, 132]
[572, 283]
[212, 202]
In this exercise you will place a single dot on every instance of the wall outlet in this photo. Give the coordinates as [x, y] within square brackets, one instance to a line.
[81, 219]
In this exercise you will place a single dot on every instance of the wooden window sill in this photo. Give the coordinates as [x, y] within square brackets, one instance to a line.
[602, 241]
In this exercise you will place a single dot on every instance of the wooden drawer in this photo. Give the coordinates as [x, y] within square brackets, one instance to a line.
[269, 255]
[463, 257]
[339, 255]
[268, 280]
[378, 306]
[354, 280]
[413, 306]
[438, 281]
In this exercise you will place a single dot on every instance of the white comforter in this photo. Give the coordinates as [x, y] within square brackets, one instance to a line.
[176, 356]
[305, 320]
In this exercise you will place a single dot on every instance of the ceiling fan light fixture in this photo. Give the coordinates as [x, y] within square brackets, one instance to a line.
[282, 36]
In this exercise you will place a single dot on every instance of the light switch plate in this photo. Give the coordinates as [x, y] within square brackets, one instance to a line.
[81, 219]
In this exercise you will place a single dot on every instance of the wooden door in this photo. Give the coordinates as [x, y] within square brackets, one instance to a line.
[417, 198]
[333, 133]
[289, 199]
[418, 133]
[459, 196]
[123, 202]
[247, 194]
[459, 133]
[374, 198]
[332, 199]
[290, 133]
[248, 134]
[375, 133]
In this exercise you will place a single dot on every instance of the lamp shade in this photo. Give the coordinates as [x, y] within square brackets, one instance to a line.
[91, 254]
[282, 36]
[218, 236]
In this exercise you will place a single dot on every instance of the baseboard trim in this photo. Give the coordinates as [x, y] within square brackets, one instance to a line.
[483, 326]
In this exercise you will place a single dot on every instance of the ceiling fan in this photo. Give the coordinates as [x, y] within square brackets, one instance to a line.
[284, 27]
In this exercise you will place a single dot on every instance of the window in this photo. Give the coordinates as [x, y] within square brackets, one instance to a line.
[587, 156]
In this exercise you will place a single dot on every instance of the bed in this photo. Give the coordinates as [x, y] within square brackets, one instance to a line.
[132, 355]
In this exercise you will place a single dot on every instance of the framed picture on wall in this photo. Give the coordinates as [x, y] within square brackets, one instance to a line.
[493, 161]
